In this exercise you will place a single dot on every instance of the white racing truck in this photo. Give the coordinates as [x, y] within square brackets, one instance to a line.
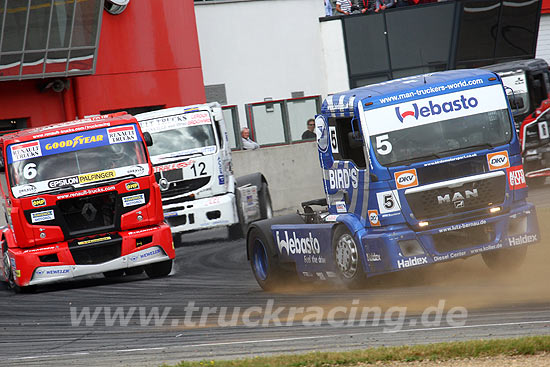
[191, 159]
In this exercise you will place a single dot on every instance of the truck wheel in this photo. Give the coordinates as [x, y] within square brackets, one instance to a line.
[505, 259]
[8, 273]
[264, 264]
[158, 270]
[346, 255]
[266, 210]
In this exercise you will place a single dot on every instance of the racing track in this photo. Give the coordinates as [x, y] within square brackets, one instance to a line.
[35, 329]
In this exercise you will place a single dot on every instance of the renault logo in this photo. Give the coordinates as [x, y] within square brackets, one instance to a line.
[88, 212]
[164, 184]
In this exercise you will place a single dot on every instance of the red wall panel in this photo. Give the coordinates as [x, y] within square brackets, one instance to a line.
[545, 6]
[148, 55]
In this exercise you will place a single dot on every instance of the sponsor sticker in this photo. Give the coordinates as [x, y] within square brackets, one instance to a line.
[341, 207]
[498, 160]
[94, 240]
[294, 244]
[414, 261]
[133, 200]
[25, 150]
[136, 170]
[44, 216]
[516, 178]
[522, 240]
[172, 166]
[132, 186]
[67, 181]
[374, 219]
[405, 179]
[76, 141]
[322, 133]
[342, 178]
[38, 202]
[96, 176]
[121, 134]
[374, 257]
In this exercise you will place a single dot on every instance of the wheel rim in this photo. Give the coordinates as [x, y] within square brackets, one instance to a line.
[259, 260]
[346, 256]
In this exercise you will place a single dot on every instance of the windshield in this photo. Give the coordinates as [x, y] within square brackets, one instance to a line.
[444, 138]
[75, 160]
[182, 134]
[440, 125]
[516, 87]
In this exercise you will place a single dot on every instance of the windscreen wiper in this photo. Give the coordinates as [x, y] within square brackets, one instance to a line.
[57, 190]
[468, 148]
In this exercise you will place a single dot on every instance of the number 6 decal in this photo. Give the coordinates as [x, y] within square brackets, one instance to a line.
[383, 146]
[29, 171]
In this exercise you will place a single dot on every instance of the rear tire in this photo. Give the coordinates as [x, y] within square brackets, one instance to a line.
[266, 210]
[505, 259]
[264, 262]
[160, 269]
[347, 257]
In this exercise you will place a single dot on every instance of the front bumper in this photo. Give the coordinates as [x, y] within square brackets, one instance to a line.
[61, 261]
[204, 213]
[402, 248]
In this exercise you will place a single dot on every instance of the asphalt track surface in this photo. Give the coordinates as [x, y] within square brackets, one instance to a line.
[37, 329]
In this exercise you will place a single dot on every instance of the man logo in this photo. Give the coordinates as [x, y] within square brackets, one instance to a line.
[404, 179]
[498, 160]
[458, 198]
[401, 116]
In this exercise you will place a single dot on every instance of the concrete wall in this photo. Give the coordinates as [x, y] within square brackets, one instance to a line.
[292, 171]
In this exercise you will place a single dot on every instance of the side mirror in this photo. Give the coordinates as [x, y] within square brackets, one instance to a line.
[148, 138]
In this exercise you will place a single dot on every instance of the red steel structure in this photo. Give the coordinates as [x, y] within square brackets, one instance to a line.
[147, 56]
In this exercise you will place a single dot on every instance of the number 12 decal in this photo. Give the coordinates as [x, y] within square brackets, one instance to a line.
[200, 168]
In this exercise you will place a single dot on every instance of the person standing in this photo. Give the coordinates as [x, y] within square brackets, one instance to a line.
[248, 144]
[309, 134]
[344, 6]
[328, 8]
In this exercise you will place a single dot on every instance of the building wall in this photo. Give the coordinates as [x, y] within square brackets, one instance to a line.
[543, 42]
[148, 55]
[270, 48]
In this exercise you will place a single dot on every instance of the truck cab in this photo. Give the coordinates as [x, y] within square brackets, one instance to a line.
[80, 198]
[416, 171]
[527, 84]
[192, 164]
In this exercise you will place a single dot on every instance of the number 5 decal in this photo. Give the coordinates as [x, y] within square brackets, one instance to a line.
[383, 146]
[388, 201]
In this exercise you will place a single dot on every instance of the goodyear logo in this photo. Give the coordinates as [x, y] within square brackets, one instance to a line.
[76, 141]
[97, 176]
[94, 240]
[132, 186]
[38, 202]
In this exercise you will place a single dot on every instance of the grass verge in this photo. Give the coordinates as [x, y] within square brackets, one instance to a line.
[432, 352]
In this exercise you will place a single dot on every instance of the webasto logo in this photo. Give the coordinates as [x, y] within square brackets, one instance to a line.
[437, 109]
[298, 245]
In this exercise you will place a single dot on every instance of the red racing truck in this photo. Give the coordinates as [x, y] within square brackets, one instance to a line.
[80, 198]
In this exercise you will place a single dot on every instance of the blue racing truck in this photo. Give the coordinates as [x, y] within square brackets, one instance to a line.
[416, 171]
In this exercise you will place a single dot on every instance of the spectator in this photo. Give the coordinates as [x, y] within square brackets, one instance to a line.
[328, 8]
[344, 6]
[383, 5]
[310, 132]
[366, 5]
[248, 144]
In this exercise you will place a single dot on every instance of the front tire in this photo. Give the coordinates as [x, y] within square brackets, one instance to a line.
[347, 257]
[160, 269]
[505, 259]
